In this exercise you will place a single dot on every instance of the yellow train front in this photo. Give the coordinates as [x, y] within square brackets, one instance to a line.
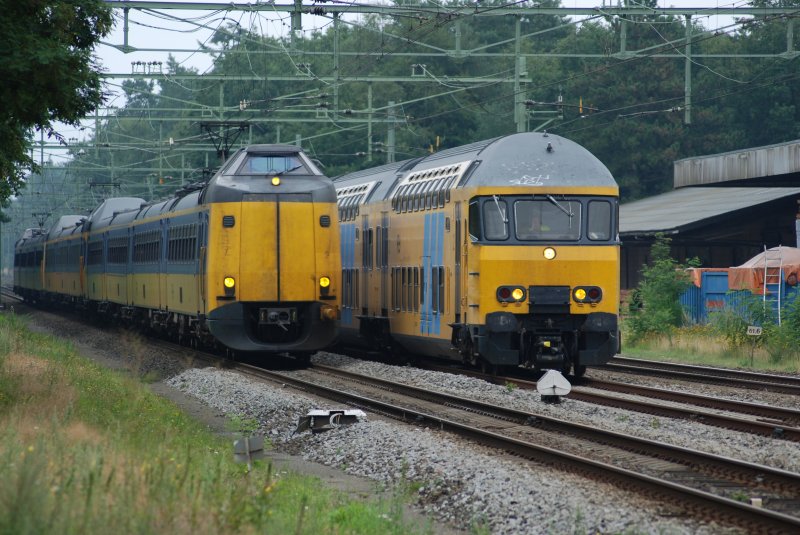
[271, 258]
[247, 263]
[499, 253]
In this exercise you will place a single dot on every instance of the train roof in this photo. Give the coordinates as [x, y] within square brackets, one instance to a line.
[523, 159]
[104, 214]
[30, 236]
[66, 225]
[273, 149]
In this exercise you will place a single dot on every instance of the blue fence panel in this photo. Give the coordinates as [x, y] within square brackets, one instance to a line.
[713, 296]
[692, 302]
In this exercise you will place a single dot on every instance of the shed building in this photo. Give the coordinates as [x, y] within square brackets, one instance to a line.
[725, 209]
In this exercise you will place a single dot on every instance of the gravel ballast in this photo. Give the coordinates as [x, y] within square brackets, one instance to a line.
[468, 485]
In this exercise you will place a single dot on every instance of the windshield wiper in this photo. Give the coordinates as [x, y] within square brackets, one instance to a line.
[558, 205]
[497, 203]
[273, 172]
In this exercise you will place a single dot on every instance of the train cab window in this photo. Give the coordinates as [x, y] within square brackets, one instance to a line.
[495, 219]
[599, 221]
[475, 221]
[272, 164]
[547, 219]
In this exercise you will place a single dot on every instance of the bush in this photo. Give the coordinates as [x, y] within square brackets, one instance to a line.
[656, 308]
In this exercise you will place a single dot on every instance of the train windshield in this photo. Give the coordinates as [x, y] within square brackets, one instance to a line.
[549, 218]
[262, 164]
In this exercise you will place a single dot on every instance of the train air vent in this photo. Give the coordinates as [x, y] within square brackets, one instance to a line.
[228, 221]
[325, 221]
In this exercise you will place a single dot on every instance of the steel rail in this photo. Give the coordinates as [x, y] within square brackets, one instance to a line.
[742, 379]
[763, 428]
[721, 509]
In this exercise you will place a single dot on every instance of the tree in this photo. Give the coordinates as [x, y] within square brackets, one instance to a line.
[49, 75]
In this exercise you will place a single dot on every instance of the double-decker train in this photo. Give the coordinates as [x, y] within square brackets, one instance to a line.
[500, 253]
[248, 262]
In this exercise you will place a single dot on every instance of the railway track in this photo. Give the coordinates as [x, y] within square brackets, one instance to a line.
[783, 384]
[765, 420]
[706, 485]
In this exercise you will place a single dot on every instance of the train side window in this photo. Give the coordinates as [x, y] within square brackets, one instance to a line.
[441, 289]
[495, 219]
[435, 290]
[416, 289]
[410, 289]
[422, 288]
[370, 249]
[394, 288]
[475, 221]
[355, 289]
[599, 221]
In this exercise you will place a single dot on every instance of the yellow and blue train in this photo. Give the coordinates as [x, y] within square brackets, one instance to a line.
[500, 253]
[247, 262]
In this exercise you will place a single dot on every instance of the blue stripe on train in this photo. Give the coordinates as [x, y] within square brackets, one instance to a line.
[432, 255]
[348, 249]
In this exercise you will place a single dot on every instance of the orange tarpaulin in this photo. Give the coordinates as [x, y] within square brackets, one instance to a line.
[750, 275]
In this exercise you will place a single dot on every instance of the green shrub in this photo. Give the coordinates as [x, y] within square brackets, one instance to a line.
[655, 307]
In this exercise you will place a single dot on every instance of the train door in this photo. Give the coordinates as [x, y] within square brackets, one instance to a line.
[296, 227]
[432, 303]
[457, 262]
[366, 263]
[275, 233]
[202, 241]
[382, 260]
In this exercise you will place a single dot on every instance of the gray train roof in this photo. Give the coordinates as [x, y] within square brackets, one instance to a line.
[104, 214]
[516, 159]
[271, 148]
[65, 225]
[687, 207]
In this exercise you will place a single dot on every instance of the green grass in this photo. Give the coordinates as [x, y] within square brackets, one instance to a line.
[699, 345]
[87, 450]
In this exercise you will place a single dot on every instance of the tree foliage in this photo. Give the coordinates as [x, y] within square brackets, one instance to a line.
[48, 73]
[628, 109]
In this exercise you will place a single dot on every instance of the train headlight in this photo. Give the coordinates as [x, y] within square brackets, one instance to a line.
[510, 294]
[549, 253]
[276, 181]
[324, 285]
[587, 294]
[230, 285]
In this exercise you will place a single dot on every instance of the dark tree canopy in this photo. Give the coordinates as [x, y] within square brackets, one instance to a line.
[48, 74]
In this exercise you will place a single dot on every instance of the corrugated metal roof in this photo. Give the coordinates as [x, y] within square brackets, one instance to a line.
[754, 163]
[683, 207]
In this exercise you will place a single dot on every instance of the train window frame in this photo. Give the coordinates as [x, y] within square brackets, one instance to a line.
[592, 232]
[490, 203]
[435, 289]
[551, 213]
[299, 166]
[441, 288]
[474, 221]
[416, 288]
